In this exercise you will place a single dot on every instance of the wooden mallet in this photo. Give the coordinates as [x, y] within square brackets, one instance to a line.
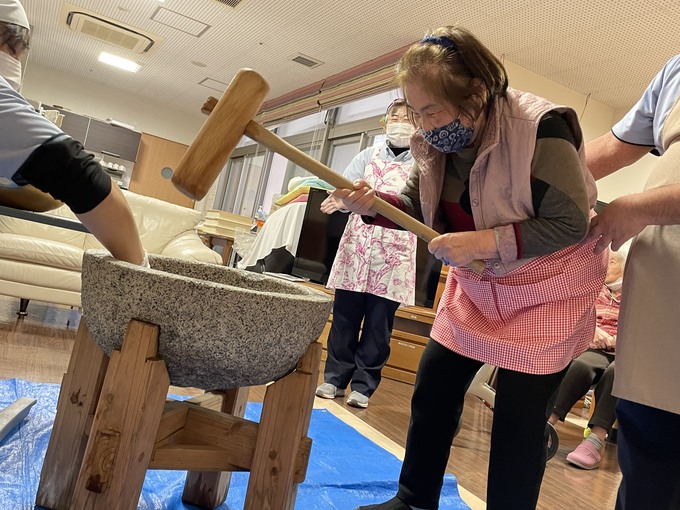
[231, 118]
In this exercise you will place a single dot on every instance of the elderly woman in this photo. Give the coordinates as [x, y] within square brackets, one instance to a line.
[503, 174]
[595, 366]
[33, 151]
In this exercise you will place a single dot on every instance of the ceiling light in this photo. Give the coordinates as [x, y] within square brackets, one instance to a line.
[122, 63]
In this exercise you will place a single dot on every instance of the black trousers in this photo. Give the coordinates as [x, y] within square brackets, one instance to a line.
[359, 360]
[592, 367]
[518, 435]
[649, 457]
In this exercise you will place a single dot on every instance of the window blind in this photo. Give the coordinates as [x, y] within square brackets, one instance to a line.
[324, 98]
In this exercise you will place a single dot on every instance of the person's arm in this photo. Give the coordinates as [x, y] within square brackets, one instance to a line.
[63, 169]
[41, 154]
[353, 172]
[559, 194]
[625, 217]
[113, 224]
[607, 154]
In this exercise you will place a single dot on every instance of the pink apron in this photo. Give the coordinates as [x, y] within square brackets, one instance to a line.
[377, 260]
[534, 319]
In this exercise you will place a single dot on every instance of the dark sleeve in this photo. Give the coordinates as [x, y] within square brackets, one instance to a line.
[558, 187]
[63, 169]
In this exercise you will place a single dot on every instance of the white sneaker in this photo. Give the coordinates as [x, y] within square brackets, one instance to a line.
[356, 399]
[328, 390]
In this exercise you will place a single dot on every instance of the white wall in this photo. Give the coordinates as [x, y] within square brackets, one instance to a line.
[596, 119]
[102, 102]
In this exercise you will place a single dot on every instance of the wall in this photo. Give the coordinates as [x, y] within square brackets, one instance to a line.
[596, 119]
[99, 101]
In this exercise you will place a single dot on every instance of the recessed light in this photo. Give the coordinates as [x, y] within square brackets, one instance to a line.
[119, 62]
[198, 63]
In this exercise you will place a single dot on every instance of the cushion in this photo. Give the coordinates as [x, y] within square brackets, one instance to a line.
[33, 250]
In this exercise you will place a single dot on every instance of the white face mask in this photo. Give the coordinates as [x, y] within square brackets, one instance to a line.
[399, 134]
[10, 70]
[616, 284]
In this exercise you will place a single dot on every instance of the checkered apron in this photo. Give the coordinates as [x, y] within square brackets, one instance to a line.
[534, 319]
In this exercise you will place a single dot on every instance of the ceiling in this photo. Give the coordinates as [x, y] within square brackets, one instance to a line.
[609, 49]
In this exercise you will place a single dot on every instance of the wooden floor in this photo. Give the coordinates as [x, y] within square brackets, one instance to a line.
[37, 348]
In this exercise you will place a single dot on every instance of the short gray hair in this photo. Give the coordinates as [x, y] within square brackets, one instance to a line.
[15, 37]
[621, 253]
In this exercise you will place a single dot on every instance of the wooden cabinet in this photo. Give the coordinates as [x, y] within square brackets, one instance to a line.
[115, 141]
[155, 154]
[102, 137]
[410, 334]
[75, 125]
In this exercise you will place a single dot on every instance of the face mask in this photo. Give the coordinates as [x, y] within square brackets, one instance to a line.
[450, 138]
[10, 70]
[615, 285]
[399, 134]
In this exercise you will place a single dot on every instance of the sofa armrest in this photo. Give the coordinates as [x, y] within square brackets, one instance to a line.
[189, 246]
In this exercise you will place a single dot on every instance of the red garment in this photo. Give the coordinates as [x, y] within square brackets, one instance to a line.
[607, 307]
[534, 319]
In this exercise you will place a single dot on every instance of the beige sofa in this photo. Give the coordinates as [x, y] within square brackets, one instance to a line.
[43, 262]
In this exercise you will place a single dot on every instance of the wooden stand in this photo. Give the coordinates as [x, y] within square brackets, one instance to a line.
[113, 423]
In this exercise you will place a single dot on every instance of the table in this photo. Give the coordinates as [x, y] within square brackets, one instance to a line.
[226, 242]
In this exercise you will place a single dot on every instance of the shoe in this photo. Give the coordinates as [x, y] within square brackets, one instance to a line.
[585, 456]
[356, 399]
[328, 390]
[393, 504]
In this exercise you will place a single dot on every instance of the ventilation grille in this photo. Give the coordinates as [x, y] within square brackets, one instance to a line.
[306, 61]
[229, 3]
[108, 32]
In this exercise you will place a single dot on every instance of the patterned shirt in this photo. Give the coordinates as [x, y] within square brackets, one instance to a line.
[607, 307]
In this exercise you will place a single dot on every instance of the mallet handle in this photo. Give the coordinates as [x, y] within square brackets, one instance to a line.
[272, 141]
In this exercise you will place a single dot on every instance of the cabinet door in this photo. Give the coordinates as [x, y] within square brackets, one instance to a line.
[114, 140]
[155, 154]
[75, 125]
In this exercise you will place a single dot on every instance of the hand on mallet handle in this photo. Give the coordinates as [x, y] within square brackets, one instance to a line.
[231, 118]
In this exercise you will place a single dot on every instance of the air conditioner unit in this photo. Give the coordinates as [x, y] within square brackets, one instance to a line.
[106, 30]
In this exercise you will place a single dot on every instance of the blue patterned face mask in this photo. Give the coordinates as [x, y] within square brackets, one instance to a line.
[450, 138]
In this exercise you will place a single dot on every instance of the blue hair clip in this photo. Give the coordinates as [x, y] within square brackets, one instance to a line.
[440, 41]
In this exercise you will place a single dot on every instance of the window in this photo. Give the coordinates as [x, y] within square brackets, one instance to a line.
[333, 137]
[342, 152]
[237, 190]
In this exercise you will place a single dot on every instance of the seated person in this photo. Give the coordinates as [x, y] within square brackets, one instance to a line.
[595, 366]
[35, 152]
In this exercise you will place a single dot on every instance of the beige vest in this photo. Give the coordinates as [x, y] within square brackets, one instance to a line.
[500, 191]
[648, 342]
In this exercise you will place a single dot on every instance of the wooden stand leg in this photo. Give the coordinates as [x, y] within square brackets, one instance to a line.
[208, 489]
[125, 424]
[80, 389]
[285, 419]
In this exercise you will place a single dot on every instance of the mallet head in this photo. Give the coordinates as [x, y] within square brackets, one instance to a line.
[221, 132]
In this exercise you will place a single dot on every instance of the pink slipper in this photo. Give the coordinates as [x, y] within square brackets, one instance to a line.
[585, 456]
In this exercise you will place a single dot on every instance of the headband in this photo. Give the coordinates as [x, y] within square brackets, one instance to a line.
[397, 102]
[440, 41]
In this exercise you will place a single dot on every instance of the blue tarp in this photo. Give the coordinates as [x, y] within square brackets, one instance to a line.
[345, 468]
